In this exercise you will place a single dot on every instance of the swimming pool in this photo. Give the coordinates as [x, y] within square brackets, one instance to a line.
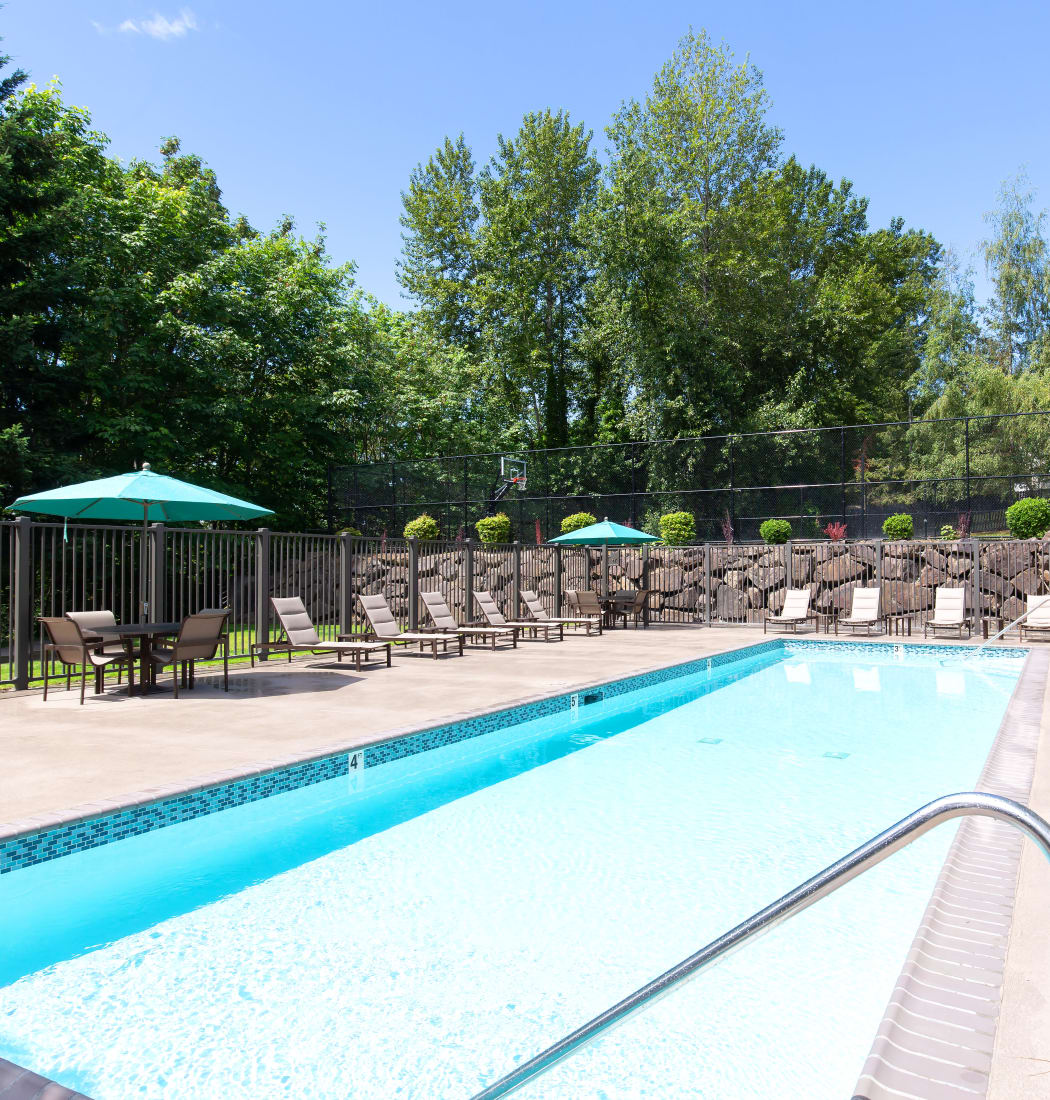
[415, 928]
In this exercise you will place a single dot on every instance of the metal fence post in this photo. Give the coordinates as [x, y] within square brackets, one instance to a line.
[708, 594]
[878, 564]
[515, 579]
[975, 580]
[789, 562]
[22, 602]
[346, 595]
[468, 578]
[559, 580]
[605, 571]
[262, 589]
[413, 584]
[158, 562]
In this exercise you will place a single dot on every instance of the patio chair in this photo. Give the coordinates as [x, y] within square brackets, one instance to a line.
[1037, 619]
[539, 613]
[627, 603]
[198, 639]
[67, 643]
[99, 624]
[864, 612]
[494, 617]
[444, 620]
[949, 612]
[301, 636]
[385, 628]
[586, 602]
[794, 612]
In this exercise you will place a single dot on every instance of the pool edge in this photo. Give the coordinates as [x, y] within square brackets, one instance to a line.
[938, 1034]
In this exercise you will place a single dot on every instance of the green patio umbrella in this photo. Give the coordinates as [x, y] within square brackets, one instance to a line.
[140, 495]
[605, 533]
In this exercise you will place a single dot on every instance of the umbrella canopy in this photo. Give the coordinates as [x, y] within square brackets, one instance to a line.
[140, 495]
[604, 533]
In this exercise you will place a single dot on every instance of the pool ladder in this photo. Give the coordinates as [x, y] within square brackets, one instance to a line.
[973, 804]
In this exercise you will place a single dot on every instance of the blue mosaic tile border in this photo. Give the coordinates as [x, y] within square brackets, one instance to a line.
[79, 836]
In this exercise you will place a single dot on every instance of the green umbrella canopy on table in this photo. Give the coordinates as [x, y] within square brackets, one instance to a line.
[140, 495]
[605, 533]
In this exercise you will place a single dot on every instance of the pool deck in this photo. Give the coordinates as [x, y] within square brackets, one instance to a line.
[61, 761]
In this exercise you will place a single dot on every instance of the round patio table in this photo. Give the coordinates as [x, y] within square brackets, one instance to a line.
[145, 633]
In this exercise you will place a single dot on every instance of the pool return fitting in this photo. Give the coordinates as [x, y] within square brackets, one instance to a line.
[973, 804]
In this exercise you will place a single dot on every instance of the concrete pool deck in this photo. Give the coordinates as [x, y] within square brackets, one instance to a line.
[62, 761]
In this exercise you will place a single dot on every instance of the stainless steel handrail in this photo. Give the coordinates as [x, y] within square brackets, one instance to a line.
[802, 897]
[1009, 626]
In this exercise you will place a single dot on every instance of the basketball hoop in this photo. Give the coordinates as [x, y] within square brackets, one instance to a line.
[520, 483]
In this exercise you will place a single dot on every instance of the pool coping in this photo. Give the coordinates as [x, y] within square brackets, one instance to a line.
[937, 1036]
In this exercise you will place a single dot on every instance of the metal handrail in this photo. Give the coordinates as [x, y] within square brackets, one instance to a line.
[802, 897]
[1009, 626]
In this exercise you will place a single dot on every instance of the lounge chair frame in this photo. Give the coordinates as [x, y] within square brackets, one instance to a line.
[791, 619]
[535, 608]
[956, 602]
[344, 645]
[383, 626]
[444, 621]
[494, 617]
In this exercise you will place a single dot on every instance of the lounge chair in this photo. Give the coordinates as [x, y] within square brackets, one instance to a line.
[864, 612]
[198, 639]
[385, 628]
[539, 613]
[794, 612]
[300, 636]
[494, 617]
[444, 620]
[67, 643]
[1037, 620]
[949, 612]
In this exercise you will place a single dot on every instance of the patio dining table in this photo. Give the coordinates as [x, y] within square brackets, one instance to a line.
[145, 633]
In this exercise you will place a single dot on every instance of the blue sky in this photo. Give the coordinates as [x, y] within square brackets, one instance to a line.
[320, 109]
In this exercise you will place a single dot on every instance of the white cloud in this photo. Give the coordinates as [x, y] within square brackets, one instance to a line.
[159, 26]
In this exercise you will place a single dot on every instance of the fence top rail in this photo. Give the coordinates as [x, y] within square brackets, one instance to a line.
[700, 438]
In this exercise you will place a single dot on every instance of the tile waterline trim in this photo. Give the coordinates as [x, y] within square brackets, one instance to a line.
[28, 847]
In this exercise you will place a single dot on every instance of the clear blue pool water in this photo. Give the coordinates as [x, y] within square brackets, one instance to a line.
[414, 931]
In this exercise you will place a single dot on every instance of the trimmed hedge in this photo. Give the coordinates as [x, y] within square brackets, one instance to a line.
[678, 528]
[898, 527]
[775, 531]
[1028, 518]
[494, 528]
[424, 527]
[576, 521]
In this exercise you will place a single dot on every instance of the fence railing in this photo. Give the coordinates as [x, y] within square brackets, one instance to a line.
[49, 569]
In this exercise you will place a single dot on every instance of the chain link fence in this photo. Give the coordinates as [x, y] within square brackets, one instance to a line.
[940, 471]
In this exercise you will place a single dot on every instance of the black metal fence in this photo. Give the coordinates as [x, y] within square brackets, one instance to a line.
[48, 569]
[937, 470]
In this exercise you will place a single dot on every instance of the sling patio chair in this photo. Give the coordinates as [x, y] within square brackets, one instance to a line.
[1037, 616]
[494, 617]
[586, 602]
[536, 609]
[101, 624]
[385, 628]
[301, 636]
[628, 602]
[66, 643]
[444, 620]
[198, 639]
[794, 613]
[864, 612]
[949, 612]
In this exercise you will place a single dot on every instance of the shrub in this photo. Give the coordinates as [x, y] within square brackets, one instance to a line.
[948, 533]
[494, 528]
[424, 528]
[1028, 518]
[651, 522]
[352, 531]
[836, 531]
[678, 528]
[775, 531]
[898, 527]
[576, 521]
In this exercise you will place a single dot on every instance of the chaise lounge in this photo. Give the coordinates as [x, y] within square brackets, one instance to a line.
[864, 612]
[301, 636]
[443, 620]
[539, 614]
[794, 613]
[949, 612]
[385, 628]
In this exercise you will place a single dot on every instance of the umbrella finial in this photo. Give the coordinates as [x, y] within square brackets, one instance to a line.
[145, 466]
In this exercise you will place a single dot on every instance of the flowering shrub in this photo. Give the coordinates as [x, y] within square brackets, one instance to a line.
[836, 531]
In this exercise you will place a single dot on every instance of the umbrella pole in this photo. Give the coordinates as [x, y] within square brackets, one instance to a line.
[144, 565]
